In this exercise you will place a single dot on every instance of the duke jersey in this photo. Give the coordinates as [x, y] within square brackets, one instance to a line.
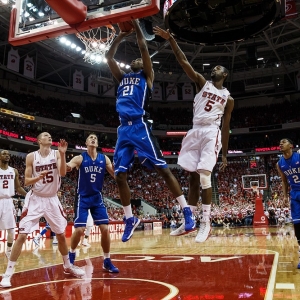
[291, 169]
[209, 105]
[91, 175]
[133, 96]
[49, 185]
[7, 183]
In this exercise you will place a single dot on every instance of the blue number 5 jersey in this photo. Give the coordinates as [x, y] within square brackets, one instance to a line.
[91, 175]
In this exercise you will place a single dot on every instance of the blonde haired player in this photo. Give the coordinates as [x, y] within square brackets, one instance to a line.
[9, 182]
[202, 144]
[43, 170]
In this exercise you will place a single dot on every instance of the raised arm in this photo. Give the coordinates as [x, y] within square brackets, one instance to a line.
[110, 54]
[181, 58]
[225, 131]
[109, 167]
[29, 180]
[147, 63]
[75, 162]
[61, 157]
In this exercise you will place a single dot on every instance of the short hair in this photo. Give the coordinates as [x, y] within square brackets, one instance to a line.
[225, 71]
[92, 133]
[289, 140]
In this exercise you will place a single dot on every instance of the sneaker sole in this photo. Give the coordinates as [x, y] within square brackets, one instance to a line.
[5, 286]
[184, 233]
[110, 270]
[134, 227]
[77, 276]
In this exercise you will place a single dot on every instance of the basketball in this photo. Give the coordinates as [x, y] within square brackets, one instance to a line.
[125, 26]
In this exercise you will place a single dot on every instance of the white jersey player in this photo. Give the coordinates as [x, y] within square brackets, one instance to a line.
[43, 170]
[9, 182]
[201, 146]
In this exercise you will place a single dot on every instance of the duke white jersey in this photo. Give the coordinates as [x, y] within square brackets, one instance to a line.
[7, 183]
[209, 105]
[49, 185]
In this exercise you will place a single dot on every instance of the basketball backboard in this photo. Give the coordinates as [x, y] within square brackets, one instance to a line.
[35, 20]
[254, 182]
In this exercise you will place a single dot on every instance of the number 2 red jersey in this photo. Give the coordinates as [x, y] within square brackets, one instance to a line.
[209, 105]
[49, 185]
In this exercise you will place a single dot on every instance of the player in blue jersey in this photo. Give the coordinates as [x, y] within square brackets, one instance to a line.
[134, 133]
[288, 168]
[91, 168]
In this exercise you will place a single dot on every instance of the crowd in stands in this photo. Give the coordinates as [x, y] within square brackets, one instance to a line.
[234, 207]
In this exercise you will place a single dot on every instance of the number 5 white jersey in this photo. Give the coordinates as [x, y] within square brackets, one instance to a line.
[209, 105]
[49, 185]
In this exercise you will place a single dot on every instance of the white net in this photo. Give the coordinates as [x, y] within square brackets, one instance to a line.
[97, 41]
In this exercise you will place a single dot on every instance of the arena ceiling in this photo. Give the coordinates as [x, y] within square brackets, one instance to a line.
[278, 46]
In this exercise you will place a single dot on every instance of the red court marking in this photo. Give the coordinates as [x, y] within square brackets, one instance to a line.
[220, 277]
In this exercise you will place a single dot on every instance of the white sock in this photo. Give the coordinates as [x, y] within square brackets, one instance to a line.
[10, 267]
[182, 201]
[206, 212]
[128, 211]
[106, 255]
[66, 260]
[72, 250]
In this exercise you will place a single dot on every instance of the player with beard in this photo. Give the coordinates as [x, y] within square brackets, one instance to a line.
[135, 132]
[202, 144]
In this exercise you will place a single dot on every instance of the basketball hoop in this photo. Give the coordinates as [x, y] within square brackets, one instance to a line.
[97, 41]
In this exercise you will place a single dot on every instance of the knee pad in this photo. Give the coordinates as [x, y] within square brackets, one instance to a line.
[205, 179]
[10, 235]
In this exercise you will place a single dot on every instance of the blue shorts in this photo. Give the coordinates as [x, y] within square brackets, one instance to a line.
[137, 135]
[95, 204]
[295, 206]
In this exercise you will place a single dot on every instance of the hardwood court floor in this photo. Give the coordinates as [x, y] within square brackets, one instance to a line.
[245, 263]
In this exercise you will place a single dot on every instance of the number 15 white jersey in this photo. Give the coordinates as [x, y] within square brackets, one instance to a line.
[209, 105]
[49, 185]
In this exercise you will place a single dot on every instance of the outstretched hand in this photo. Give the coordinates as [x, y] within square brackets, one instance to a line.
[165, 34]
[62, 146]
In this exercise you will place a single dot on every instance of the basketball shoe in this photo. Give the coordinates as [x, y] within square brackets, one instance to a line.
[75, 271]
[85, 243]
[5, 282]
[108, 266]
[130, 225]
[188, 220]
[203, 232]
[181, 230]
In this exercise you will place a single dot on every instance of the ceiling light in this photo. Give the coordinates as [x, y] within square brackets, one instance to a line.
[41, 14]
[127, 67]
[155, 62]
[102, 46]
[78, 48]
[206, 64]
[104, 60]
[122, 65]
[73, 46]
[260, 58]
[29, 4]
[62, 39]
[83, 52]
[68, 43]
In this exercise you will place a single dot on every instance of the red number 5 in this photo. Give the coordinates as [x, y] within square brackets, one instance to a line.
[208, 105]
